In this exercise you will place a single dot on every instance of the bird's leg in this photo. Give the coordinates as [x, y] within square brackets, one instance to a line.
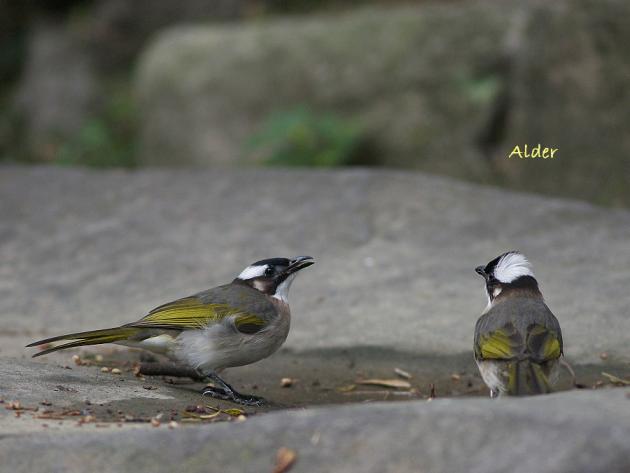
[222, 390]
[168, 369]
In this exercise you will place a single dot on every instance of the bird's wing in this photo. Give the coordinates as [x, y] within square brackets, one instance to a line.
[194, 313]
[538, 343]
[543, 343]
[503, 343]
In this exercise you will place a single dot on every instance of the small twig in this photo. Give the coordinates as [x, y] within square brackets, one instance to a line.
[569, 368]
[168, 369]
[615, 379]
[402, 373]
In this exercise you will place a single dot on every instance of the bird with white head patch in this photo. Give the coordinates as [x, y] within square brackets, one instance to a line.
[518, 341]
[231, 325]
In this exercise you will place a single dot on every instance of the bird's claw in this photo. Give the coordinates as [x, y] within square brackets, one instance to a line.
[233, 396]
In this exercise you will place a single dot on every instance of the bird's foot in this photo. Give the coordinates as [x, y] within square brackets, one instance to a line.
[233, 396]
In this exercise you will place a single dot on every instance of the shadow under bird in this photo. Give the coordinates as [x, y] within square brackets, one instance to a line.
[518, 341]
[231, 325]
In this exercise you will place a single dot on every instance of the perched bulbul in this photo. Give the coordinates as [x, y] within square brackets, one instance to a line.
[231, 325]
[518, 342]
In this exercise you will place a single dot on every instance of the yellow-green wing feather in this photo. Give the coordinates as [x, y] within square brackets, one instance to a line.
[186, 313]
[506, 343]
[500, 344]
[192, 313]
[543, 343]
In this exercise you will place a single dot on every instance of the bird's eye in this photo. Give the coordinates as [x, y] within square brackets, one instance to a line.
[269, 271]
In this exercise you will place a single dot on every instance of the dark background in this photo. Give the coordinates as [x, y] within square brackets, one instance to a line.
[447, 87]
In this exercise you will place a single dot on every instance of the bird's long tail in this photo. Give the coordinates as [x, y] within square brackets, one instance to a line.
[526, 377]
[93, 337]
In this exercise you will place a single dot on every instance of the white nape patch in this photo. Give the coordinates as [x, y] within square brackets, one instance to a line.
[252, 272]
[511, 267]
[282, 291]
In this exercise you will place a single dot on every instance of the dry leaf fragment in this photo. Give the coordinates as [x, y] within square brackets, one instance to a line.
[402, 373]
[286, 382]
[387, 383]
[234, 412]
[603, 355]
[347, 388]
[50, 416]
[210, 416]
[285, 458]
[191, 415]
[455, 377]
[116, 371]
[105, 369]
[87, 419]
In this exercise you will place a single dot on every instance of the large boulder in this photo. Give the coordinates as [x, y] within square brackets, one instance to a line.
[448, 88]
[395, 253]
[579, 432]
[58, 91]
[393, 286]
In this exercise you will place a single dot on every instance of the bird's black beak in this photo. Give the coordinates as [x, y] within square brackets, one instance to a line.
[297, 263]
[480, 270]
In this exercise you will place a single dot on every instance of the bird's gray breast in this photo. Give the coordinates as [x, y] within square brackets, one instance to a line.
[230, 347]
[222, 345]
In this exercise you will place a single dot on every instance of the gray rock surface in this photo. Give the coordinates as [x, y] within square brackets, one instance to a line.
[448, 88]
[393, 286]
[395, 253]
[579, 432]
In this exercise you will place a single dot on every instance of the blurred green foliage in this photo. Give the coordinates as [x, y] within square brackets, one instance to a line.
[301, 137]
[106, 140]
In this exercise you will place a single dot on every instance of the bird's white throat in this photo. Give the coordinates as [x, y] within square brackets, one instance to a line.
[282, 291]
[495, 292]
